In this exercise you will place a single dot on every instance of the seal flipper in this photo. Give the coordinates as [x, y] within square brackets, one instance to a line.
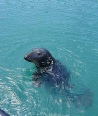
[36, 76]
[81, 100]
[37, 80]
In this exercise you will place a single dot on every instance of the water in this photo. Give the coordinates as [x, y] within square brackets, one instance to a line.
[69, 30]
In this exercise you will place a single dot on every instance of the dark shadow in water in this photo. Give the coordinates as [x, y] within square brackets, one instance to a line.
[82, 99]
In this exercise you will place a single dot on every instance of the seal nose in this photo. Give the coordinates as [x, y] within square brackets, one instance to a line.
[25, 57]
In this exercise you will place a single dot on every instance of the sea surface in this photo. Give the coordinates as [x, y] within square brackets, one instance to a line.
[69, 30]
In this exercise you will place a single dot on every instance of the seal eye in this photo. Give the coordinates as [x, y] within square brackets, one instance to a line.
[39, 53]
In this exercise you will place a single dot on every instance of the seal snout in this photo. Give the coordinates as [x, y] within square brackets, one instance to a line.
[28, 58]
[25, 57]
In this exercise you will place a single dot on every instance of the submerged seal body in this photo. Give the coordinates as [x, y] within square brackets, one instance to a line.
[56, 76]
[49, 70]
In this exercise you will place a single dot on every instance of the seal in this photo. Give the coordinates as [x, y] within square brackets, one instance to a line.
[48, 69]
[54, 74]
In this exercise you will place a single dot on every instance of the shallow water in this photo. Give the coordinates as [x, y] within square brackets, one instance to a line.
[69, 30]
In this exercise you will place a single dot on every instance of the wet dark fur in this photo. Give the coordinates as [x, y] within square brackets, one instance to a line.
[49, 70]
[54, 74]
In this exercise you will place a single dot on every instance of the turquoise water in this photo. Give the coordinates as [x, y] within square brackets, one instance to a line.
[69, 30]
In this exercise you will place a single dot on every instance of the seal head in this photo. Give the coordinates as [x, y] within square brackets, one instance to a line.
[40, 57]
